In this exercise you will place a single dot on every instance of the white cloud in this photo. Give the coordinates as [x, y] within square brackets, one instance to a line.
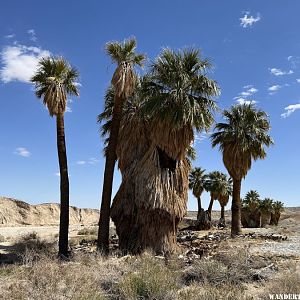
[19, 62]
[22, 152]
[93, 160]
[32, 35]
[81, 162]
[290, 109]
[298, 80]
[245, 101]
[294, 61]
[278, 72]
[57, 174]
[248, 21]
[274, 88]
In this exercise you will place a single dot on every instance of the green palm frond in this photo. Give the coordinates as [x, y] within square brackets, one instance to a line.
[197, 179]
[54, 80]
[178, 91]
[242, 138]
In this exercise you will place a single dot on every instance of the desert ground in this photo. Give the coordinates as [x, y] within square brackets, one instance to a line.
[208, 265]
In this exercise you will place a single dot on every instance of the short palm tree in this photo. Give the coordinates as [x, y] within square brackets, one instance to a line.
[251, 200]
[220, 188]
[123, 82]
[197, 179]
[54, 80]
[241, 139]
[250, 214]
[266, 210]
[278, 208]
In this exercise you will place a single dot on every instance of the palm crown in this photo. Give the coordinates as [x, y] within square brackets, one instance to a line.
[242, 138]
[54, 80]
[197, 179]
[123, 54]
[178, 91]
[218, 184]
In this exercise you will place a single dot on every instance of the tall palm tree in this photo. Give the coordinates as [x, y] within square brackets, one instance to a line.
[54, 80]
[197, 179]
[123, 82]
[176, 100]
[241, 139]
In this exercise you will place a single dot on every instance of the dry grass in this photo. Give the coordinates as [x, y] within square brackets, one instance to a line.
[88, 231]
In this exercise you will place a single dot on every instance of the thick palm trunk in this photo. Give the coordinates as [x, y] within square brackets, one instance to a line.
[236, 208]
[199, 207]
[64, 187]
[103, 232]
[211, 203]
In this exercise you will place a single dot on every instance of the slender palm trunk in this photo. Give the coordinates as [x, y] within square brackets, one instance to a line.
[236, 208]
[211, 203]
[64, 187]
[222, 212]
[199, 207]
[103, 231]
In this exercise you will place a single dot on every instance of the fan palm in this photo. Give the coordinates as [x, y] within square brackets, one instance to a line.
[197, 179]
[278, 208]
[241, 139]
[251, 200]
[220, 188]
[250, 214]
[123, 82]
[266, 209]
[176, 100]
[54, 80]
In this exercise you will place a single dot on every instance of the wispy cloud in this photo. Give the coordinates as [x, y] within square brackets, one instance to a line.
[294, 61]
[21, 151]
[249, 21]
[57, 174]
[290, 109]
[249, 90]
[273, 89]
[298, 80]
[245, 101]
[10, 36]
[19, 62]
[90, 161]
[32, 35]
[279, 72]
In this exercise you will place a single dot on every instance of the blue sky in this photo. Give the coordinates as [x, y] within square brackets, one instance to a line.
[253, 45]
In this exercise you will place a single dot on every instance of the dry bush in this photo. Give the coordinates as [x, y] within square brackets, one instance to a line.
[2, 238]
[287, 282]
[149, 278]
[211, 292]
[88, 231]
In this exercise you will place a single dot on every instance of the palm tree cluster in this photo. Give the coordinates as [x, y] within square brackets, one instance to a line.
[218, 184]
[149, 123]
[258, 212]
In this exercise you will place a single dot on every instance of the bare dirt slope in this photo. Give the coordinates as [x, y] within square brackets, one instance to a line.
[18, 213]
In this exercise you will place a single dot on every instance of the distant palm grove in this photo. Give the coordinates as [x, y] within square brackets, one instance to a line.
[149, 124]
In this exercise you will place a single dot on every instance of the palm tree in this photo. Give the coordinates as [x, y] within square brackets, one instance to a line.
[197, 179]
[220, 188]
[278, 208]
[153, 147]
[241, 139]
[123, 82]
[250, 214]
[266, 209]
[54, 80]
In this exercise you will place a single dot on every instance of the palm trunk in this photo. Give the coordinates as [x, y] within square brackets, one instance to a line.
[103, 232]
[211, 203]
[223, 212]
[199, 207]
[64, 187]
[236, 208]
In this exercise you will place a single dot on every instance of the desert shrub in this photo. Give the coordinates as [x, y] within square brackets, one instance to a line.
[88, 231]
[2, 238]
[212, 292]
[286, 283]
[149, 279]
